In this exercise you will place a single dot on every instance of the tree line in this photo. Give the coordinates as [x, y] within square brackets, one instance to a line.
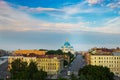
[22, 70]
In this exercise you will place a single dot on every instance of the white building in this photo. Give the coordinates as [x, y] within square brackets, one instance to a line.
[67, 48]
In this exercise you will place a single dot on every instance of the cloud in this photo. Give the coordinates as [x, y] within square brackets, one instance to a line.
[38, 9]
[94, 1]
[66, 10]
[17, 26]
[110, 26]
[15, 20]
[114, 5]
[79, 8]
[83, 7]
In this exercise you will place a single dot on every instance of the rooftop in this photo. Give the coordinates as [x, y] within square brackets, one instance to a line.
[40, 56]
[50, 56]
[116, 53]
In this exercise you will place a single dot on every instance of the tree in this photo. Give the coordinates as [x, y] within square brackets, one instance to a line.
[71, 56]
[117, 48]
[62, 79]
[40, 75]
[73, 77]
[32, 69]
[90, 72]
[55, 52]
[50, 52]
[43, 50]
[82, 77]
[60, 52]
[18, 67]
[65, 63]
[22, 70]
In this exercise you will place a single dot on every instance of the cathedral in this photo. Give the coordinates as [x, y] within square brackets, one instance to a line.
[67, 47]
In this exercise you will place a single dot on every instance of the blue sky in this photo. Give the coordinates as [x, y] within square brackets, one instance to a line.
[35, 24]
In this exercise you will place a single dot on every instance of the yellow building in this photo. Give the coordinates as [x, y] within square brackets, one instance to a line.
[50, 63]
[22, 58]
[110, 61]
[27, 52]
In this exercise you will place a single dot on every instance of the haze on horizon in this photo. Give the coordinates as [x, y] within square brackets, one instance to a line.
[40, 24]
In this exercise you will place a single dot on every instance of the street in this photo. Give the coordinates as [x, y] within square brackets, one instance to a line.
[3, 70]
[74, 66]
[77, 63]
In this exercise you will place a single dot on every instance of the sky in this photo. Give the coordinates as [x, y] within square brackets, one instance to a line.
[46, 24]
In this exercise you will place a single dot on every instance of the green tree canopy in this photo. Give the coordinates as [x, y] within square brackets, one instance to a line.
[65, 63]
[55, 52]
[18, 68]
[62, 79]
[22, 70]
[90, 72]
[73, 77]
[32, 69]
[60, 52]
[40, 75]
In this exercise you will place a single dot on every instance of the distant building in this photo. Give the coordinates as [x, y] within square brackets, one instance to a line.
[28, 52]
[101, 51]
[3, 53]
[87, 58]
[110, 61]
[67, 48]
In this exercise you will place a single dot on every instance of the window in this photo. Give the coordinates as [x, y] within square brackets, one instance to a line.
[109, 65]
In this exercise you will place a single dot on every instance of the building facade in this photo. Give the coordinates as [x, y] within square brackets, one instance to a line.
[67, 48]
[51, 64]
[22, 58]
[110, 61]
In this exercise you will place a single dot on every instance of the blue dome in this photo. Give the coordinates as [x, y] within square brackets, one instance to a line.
[66, 44]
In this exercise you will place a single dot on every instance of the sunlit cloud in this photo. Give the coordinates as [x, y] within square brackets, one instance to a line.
[13, 19]
[94, 1]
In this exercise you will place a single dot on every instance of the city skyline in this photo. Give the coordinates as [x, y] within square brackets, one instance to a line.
[46, 24]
